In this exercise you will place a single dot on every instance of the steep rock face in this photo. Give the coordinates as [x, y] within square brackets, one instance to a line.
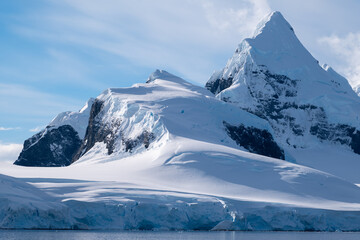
[273, 76]
[114, 130]
[94, 132]
[52, 147]
[100, 130]
[219, 84]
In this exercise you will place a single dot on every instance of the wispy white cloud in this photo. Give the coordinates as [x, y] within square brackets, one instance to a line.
[8, 128]
[37, 129]
[9, 152]
[184, 36]
[347, 48]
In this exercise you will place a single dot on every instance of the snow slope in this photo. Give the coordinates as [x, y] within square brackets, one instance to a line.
[202, 186]
[190, 174]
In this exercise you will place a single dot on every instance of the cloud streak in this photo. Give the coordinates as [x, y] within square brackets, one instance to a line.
[8, 128]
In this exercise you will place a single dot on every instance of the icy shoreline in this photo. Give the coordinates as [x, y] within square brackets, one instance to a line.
[208, 216]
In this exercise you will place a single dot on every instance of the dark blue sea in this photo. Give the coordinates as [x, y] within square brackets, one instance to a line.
[132, 235]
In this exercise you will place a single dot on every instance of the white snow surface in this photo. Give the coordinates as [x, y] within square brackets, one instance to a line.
[193, 176]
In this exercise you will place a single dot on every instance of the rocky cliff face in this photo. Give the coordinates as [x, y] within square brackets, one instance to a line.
[273, 76]
[52, 147]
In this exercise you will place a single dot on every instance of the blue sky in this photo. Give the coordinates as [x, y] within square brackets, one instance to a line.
[57, 54]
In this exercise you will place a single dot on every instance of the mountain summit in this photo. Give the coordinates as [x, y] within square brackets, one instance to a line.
[275, 44]
[273, 76]
[274, 21]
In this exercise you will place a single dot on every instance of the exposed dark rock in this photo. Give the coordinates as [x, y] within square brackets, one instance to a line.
[281, 85]
[219, 84]
[144, 138]
[96, 131]
[255, 140]
[52, 147]
[355, 141]
[341, 133]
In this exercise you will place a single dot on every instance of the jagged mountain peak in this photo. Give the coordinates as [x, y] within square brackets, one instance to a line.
[275, 48]
[275, 44]
[274, 35]
[275, 77]
[273, 22]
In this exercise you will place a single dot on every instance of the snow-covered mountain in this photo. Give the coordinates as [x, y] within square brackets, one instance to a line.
[169, 155]
[273, 76]
[126, 121]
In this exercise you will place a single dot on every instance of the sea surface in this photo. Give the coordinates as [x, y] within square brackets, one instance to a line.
[139, 235]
